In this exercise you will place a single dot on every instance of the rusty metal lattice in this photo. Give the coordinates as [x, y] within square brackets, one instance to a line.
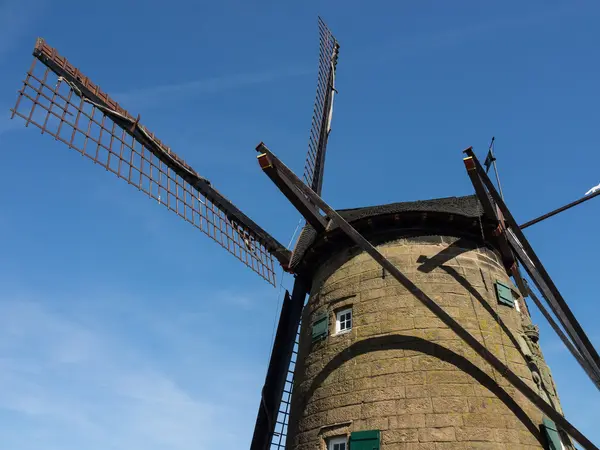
[97, 127]
[328, 55]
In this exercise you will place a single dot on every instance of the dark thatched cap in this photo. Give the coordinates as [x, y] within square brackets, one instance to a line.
[452, 216]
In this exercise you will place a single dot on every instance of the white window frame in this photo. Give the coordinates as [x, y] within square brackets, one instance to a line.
[331, 442]
[517, 307]
[338, 322]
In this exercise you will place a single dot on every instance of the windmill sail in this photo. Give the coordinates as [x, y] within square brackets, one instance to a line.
[65, 104]
[323, 110]
[279, 439]
[313, 177]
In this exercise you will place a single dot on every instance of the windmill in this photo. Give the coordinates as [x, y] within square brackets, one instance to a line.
[387, 349]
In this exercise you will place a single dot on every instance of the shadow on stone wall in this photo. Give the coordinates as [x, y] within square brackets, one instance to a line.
[437, 261]
[409, 342]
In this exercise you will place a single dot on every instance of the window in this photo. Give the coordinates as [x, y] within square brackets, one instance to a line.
[343, 321]
[505, 295]
[517, 307]
[337, 443]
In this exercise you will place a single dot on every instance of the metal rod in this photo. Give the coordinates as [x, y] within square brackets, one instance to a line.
[429, 303]
[558, 210]
[498, 178]
[491, 150]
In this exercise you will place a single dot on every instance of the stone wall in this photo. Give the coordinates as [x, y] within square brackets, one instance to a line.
[401, 370]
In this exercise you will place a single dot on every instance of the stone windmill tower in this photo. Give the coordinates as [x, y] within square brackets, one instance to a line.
[377, 369]
[413, 335]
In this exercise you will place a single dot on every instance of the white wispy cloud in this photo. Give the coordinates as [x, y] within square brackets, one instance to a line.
[155, 95]
[67, 383]
[427, 40]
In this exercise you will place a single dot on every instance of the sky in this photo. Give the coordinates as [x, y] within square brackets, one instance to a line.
[123, 327]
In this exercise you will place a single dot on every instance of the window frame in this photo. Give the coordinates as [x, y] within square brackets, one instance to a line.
[338, 322]
[334, 440]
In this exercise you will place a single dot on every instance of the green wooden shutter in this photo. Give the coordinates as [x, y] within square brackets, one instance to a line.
[549, 427]
[505, 296]
[320, 327]
[364, 440]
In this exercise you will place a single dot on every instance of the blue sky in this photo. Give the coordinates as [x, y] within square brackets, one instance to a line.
[122, 327]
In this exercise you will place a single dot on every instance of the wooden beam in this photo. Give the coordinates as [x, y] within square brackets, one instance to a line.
[279, 174]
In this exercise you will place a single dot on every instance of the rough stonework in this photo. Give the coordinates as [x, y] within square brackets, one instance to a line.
[401, 370]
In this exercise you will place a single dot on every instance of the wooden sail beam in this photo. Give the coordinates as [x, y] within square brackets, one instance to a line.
[62, 102]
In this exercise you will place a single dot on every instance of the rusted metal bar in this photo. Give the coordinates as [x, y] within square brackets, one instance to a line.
[537, 272]
[559, 210]
[430, 304]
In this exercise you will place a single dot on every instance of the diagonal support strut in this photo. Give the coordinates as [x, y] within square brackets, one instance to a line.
[430, 304]
[506, 242]
[521, 247]
[278, 176]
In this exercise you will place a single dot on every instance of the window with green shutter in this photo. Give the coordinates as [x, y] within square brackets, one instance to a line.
[364, 440]
[320, 326]
[552, 436]
[505, 295]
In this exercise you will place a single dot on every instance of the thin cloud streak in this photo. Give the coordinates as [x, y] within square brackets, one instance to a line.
[156, 95]
[421, 42]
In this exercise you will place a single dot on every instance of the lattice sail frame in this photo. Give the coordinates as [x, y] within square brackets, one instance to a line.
[279, 439]
[313, 177]
[323, 109]
[63, 103]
